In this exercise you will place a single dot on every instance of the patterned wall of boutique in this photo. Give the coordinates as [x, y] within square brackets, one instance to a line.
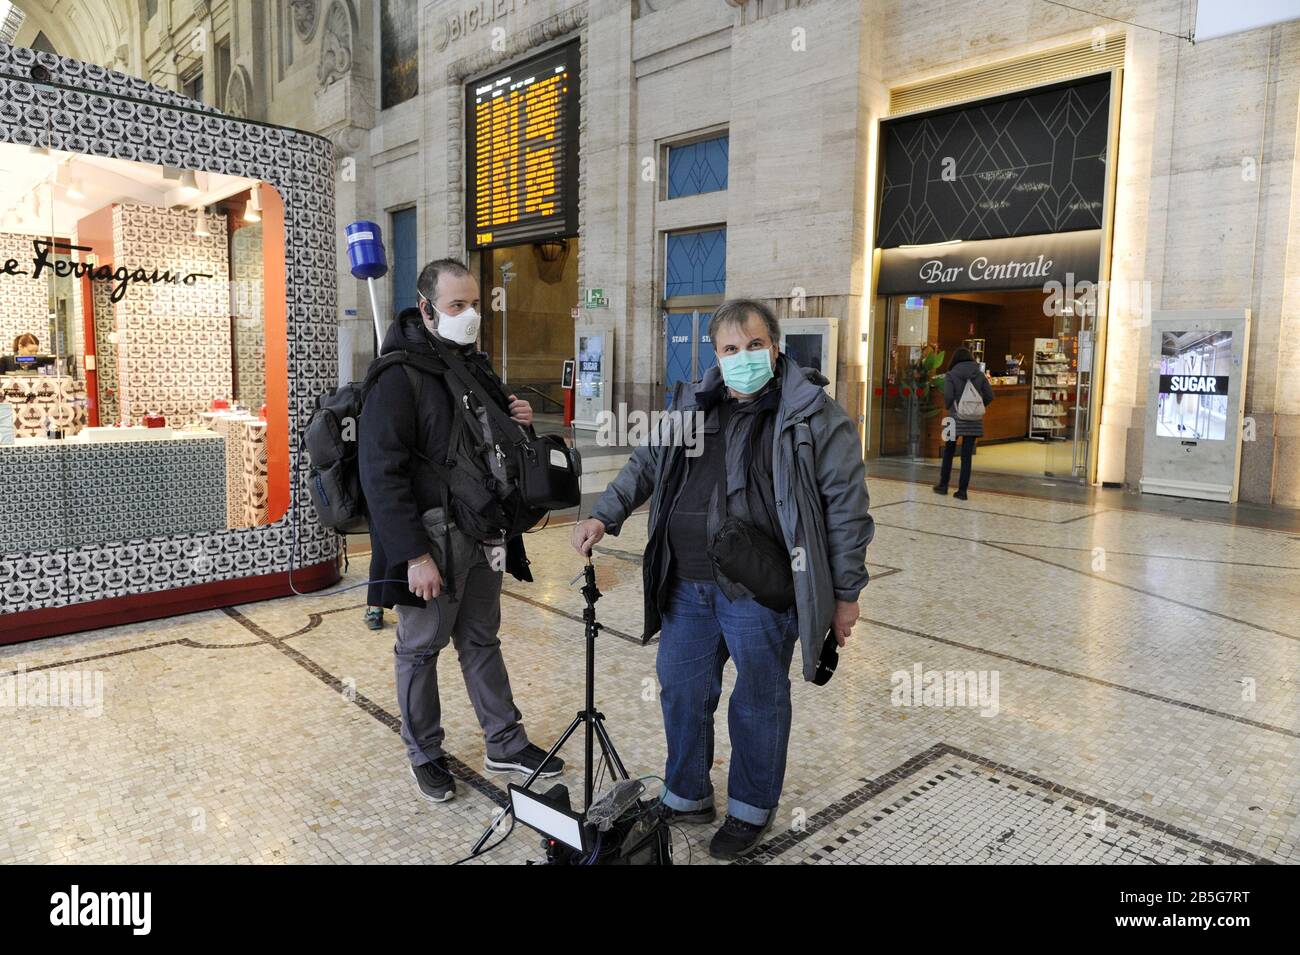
[41, 401]
[105, 352]
[249, 295]
[96, 111]
[174, 352]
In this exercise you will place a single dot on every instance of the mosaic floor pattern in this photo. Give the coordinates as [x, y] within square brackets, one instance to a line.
[1138, 704]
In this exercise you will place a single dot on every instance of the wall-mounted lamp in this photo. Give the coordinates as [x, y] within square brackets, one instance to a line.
[552, 250]
[551, 255]
[201, 223]
[253, 208]
[189, 187]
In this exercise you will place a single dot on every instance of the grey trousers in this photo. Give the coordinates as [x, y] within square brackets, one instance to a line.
[471, 623]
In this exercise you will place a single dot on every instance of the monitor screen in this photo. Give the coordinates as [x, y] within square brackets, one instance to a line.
[806, 349]
[1192, 403]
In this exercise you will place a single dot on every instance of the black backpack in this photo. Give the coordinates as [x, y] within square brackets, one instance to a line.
[330, 441]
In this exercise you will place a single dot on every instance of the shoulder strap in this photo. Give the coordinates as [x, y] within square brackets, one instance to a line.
[466, 380]
[424, 363]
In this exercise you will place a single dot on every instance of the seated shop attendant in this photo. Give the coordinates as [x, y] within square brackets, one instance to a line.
[25, 345]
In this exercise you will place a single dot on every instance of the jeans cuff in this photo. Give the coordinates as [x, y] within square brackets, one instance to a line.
[673, 801]
[747, 813]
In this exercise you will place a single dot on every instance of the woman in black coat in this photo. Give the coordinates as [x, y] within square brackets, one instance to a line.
[962, 369]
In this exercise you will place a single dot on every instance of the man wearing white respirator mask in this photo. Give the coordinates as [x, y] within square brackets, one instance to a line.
[429, 530]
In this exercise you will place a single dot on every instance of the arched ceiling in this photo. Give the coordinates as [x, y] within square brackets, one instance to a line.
[103, 32]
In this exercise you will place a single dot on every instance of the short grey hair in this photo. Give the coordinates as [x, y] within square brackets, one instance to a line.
[737, 311]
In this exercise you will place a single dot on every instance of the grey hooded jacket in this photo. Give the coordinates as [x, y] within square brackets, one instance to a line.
[820, 489]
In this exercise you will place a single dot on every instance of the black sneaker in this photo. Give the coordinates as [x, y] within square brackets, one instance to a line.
[959, 496]
[525, 761]
[736, 837]
[940, 489]
[688, 817]
[374, 618]
[434, 782]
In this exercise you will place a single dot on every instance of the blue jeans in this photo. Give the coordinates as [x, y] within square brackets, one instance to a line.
[701, 630]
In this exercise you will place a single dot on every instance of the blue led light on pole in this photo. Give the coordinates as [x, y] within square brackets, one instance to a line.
[367, 260]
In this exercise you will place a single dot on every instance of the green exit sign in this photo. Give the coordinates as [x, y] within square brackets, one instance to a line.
[596, 298]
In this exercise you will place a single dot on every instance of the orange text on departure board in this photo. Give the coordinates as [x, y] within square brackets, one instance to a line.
[518, 156]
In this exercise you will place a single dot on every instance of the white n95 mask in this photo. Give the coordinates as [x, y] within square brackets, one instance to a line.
[461, 329]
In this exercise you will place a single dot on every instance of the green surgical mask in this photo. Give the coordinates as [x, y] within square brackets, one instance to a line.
[747, 371]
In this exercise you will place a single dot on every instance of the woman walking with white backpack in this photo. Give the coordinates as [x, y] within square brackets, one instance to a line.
[966, 393]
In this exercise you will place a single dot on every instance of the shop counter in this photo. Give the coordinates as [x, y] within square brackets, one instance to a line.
[1007, 419]
[71, 493]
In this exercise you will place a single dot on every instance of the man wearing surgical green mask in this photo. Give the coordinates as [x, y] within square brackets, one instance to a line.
[778, 454]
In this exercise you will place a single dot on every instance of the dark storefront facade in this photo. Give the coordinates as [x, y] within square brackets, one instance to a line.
[991, 236]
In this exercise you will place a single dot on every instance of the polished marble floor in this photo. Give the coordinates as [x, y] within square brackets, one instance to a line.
[1132, 698]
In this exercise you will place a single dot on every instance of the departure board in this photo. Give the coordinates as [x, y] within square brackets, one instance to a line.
[522, 150]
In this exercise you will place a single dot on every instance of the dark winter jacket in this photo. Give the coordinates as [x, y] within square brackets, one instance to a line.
[954, 383]
[398, 484]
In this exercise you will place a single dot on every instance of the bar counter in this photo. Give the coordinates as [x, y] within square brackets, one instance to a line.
[1007, 419]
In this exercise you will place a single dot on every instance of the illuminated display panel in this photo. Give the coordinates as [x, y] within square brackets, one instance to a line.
[521, 143]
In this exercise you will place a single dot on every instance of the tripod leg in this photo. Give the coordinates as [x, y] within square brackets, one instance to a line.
[564, 738]
[507, 808]
[607, 745]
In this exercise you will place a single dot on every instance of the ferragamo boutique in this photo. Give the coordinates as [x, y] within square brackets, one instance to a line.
[150, 378]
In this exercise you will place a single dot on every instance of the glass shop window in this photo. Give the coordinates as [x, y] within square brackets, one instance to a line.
[143, 362]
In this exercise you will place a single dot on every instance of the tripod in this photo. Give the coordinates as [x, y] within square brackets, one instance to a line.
[590, 717]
